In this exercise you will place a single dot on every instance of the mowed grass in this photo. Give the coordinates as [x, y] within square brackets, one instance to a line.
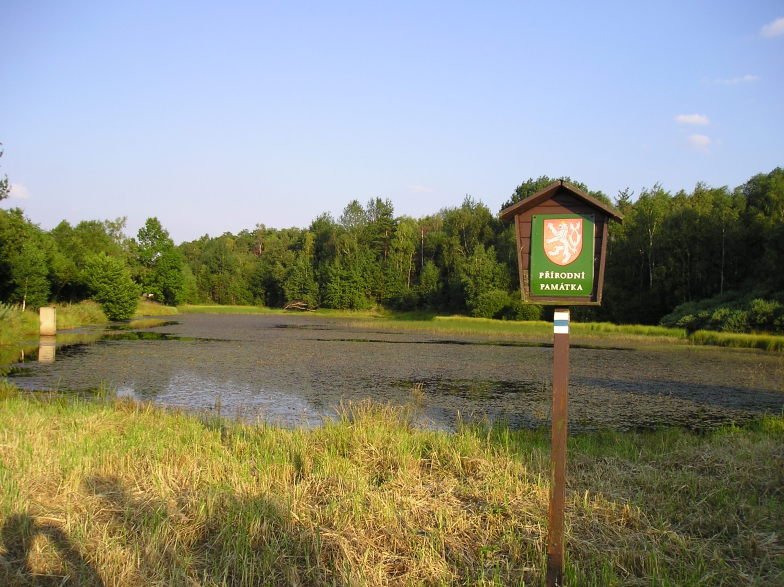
[118, 493]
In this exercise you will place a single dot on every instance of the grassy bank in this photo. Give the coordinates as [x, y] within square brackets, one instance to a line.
[766, 342]
[533, 330]
[459, 325]
[125, 494]
[16, 325]
[466, 326]
[147, 308]
[217, 309]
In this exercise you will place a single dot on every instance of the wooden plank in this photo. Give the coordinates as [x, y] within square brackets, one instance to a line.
[522, 256]
[602, 257]
[560, 425]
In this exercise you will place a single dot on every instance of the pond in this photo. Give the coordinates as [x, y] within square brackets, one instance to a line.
[296, 370]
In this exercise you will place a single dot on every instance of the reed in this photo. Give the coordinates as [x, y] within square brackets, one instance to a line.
[766, 342]
[16, 325]
[82, 314]
[112, 492]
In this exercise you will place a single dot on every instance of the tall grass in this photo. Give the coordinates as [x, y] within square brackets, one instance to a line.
[766, 342]
[125, 494]
[82, 314]
[16, 324]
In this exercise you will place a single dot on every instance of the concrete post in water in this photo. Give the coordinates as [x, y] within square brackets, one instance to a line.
[48, 320]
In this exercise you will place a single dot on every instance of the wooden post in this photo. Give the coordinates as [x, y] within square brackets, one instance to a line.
[555, 513]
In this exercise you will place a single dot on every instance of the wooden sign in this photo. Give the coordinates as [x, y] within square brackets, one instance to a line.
[561, 245]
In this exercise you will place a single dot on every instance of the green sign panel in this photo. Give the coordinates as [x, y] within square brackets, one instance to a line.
[562, 256]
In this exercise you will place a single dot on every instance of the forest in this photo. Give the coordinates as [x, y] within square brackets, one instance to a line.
[709, 258]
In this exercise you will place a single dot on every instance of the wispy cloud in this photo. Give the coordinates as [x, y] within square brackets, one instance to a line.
[19, 192]
[699, 143]
[419, 189]
[773, 29]
[731, 81]
[696, 119]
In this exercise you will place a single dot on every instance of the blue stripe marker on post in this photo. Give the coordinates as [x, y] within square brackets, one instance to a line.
[560, 322]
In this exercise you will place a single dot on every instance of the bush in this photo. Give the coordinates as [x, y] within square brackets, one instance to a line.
[730, 312]
[764, 314]
[490, 304]
[110, 282]
[736, 321]
[519, 310]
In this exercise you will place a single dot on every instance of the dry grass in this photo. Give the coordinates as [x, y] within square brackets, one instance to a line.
[125, 494]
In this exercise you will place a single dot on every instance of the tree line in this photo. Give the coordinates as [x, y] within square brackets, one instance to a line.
[711, 257]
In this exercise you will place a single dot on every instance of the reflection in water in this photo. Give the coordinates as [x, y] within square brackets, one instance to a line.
[238, 399]
[47, 348]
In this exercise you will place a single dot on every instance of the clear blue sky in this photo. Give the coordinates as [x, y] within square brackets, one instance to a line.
[217, 116]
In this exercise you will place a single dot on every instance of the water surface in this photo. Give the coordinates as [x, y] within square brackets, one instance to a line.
[296, 370]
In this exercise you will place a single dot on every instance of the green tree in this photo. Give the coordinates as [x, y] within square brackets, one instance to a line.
[225, 272]
[429, 287]
[110, 282]
[300, 280]
[763, 218]
[25, 252]
[480, 275]
[381, 226]
[29, 275]
[73, 244]
[160, 263]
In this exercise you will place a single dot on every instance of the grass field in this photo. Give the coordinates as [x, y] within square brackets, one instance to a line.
[118, 493]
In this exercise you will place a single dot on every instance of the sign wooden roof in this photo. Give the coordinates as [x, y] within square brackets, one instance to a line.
[549, 192]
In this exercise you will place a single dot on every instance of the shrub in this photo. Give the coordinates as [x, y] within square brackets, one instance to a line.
[110, 282]
[763, 314]
[731, 312]
[736, 321]
[519, 310]
[490, 304]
